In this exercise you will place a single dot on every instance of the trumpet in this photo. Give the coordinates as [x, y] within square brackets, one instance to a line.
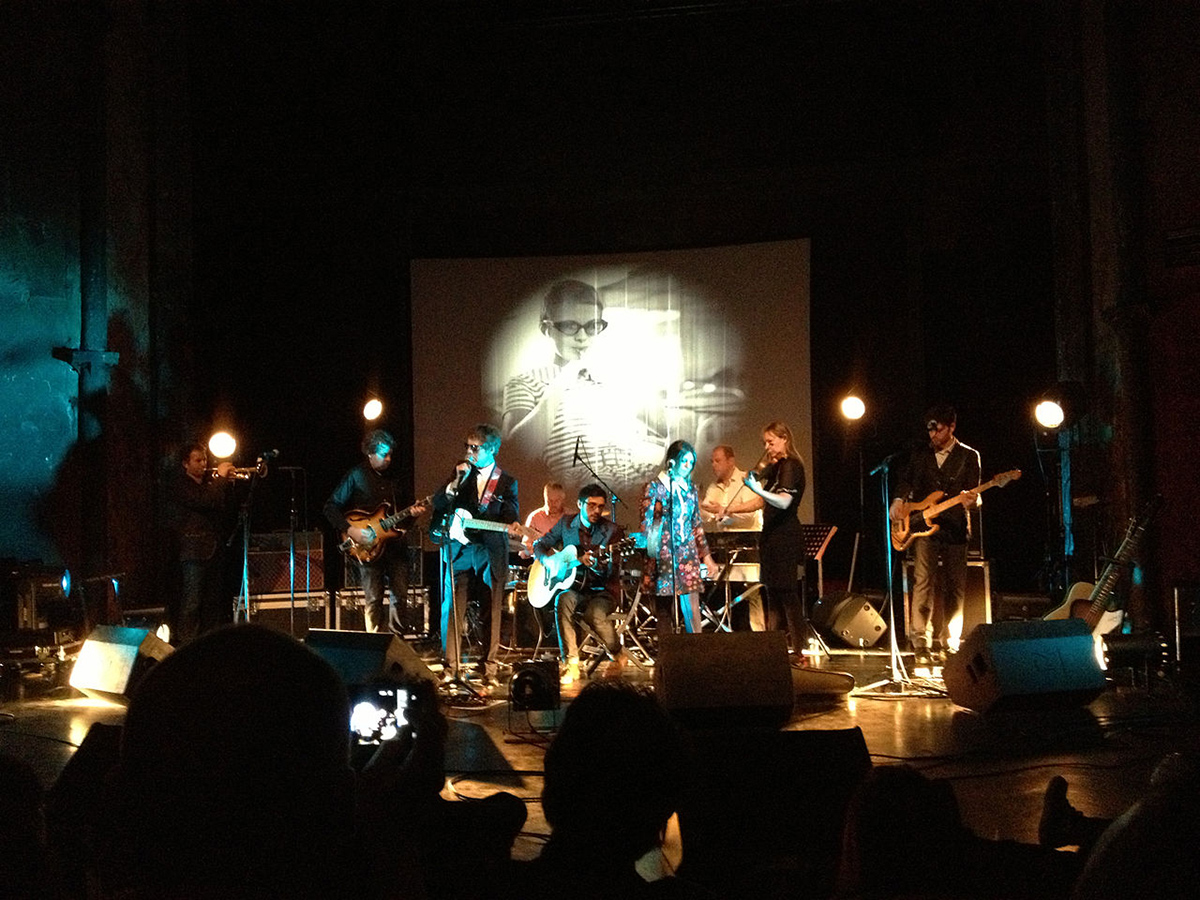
[243, 474]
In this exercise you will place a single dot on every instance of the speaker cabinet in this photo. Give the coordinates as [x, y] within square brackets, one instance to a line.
[977, 605]
[1025, 665]
[362, 657]
[114, 659]
[740, 677]
[856, 622]
[535, 685]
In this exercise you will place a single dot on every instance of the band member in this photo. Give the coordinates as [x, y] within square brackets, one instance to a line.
[719, 499]
[196, 514]
[726, 489]
[366, 487]
[675, 542]
[592, 594]
[778, 489]
[481, 488]
[951, 467]
[553, 508]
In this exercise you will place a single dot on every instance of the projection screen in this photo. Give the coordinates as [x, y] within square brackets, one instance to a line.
[592, 365]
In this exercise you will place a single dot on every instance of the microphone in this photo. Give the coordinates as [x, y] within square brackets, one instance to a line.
[575, 461]
[269, 454]
[461, 476]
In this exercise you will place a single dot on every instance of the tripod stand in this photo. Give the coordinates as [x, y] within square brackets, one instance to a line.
[898, 682]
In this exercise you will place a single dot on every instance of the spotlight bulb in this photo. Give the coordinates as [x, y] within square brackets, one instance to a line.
[222, 445]
[1048, 414]
[853, 408]
[372, 410]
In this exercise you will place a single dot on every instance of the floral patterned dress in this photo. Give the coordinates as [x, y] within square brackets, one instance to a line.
[675, 514]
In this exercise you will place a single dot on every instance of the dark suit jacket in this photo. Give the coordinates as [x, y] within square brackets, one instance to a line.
[960, 472]
[566, 533]
[503, 507]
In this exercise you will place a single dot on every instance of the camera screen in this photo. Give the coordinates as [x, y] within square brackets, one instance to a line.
[377, 713]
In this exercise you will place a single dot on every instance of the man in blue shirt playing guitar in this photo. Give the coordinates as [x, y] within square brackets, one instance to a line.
[574, 567]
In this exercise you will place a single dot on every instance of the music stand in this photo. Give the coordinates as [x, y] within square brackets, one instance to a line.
[816, 542]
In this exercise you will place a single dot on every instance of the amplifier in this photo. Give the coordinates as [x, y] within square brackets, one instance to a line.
[269, 562]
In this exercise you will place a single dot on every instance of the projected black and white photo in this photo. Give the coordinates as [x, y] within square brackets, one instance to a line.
[591, 366]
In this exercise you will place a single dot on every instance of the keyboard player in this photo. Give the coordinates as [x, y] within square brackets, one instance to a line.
[719, 495]
[728, 485]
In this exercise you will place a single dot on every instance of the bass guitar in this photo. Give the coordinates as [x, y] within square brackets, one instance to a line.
[553, 574]
[916, 518]
[1093, 602]
[459, 521]
[380, 526]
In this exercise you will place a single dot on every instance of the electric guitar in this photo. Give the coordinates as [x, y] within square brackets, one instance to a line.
[458, 522]
[1091, 602]
[553, 574]
[916, 518]
[381, 526]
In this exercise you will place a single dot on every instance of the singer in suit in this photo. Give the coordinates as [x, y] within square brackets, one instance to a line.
[480, 487]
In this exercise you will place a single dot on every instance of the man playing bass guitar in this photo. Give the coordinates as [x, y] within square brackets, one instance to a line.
[369, 486]
[590, 596]
[948, 466]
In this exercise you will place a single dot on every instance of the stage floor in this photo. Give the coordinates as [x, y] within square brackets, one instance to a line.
[997, 764]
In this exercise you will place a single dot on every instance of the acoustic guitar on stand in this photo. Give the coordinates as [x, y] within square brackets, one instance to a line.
[1094, 602]
[916, 518]
[380, 526]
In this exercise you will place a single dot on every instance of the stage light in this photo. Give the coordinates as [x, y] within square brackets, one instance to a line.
[372, 410]
[1060, 406]
[222, 445]
[1049, 414]
[37, 596]
[853, 408]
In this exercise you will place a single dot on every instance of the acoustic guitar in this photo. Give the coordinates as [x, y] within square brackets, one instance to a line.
[1094, 602]
[916, 518]
[553, 574]
[381, 527]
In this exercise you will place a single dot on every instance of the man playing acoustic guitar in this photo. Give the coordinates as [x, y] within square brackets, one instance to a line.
[952, 468]
[365, 489]
[580, 542]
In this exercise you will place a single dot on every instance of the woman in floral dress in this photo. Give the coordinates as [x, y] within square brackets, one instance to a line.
[675, 542]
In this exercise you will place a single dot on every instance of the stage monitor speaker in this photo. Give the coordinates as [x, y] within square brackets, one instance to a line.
[114, 659]
[362, 657]
[740, 677]
[856, 622]
[535, 685]
[1025, 665]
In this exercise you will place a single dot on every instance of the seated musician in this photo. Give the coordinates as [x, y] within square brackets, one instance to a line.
[591, 595]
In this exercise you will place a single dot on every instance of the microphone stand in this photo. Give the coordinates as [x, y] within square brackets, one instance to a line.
[898, 675]
[456, 684]
[292, 518]
[241, 605]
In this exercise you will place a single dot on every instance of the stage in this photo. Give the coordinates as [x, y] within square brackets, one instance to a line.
[998, 763]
